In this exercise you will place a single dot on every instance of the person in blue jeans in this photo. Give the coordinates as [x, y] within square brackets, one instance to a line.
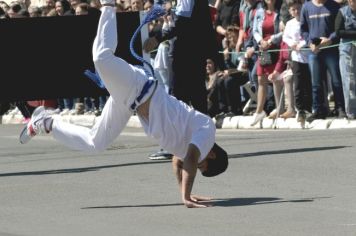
[317, 27]
[345, 27]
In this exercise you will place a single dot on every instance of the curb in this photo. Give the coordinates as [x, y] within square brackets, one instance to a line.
[235, 122]
[243, 122]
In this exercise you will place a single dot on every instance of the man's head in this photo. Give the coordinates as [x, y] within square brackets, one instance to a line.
[215, 163]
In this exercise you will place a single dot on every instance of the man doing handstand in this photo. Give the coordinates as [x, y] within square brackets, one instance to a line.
[179, 129]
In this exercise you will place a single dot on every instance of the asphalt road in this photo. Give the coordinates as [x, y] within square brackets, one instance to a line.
[298, 182]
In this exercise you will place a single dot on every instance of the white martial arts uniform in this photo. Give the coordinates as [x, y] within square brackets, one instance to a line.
[171, 122]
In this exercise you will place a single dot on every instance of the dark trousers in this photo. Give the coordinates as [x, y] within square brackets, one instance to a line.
[302, 86]
[195, 42]
[189, 82]
[230, 93]
[319, 64]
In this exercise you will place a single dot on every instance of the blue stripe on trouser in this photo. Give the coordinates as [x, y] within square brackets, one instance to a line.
[144, 91]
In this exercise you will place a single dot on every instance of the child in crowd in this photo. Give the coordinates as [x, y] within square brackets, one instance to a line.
[301, 74]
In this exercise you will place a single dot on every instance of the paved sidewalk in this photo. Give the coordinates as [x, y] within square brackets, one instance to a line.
[236, 122]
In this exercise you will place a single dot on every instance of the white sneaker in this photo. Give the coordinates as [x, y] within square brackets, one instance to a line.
[257, 117]
[36, 125]
[161, 155]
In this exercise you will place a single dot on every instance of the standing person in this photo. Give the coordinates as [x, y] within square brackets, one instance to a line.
[195, 42]
[161, 61]
[267, 34]
[317, 26]
[195, 37]
[227, 14]
[345, 27]
[301, 74]
[177, 127]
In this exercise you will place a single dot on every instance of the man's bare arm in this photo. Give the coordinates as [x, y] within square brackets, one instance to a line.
[188, 169]
[177, 170]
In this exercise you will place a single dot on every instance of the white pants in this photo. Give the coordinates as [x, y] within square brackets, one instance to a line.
[124, 84]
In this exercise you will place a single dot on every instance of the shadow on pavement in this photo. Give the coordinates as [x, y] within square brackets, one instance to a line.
[285, 151]
[95, 168]
[229, 202]
[79, 170]
[225, 202]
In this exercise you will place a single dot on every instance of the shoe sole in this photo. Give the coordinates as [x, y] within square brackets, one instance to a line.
[24, 137]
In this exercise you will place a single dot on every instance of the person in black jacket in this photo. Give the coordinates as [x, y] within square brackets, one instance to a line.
[195, 42]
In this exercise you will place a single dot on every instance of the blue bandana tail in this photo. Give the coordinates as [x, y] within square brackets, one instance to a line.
[156, 12]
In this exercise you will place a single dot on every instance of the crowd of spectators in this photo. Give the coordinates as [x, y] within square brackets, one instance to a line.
[290, 47]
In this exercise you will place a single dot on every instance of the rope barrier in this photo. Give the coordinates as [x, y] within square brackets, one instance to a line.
[289, 49]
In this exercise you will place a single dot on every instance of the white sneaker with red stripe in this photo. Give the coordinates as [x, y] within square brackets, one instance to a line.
[36, 125]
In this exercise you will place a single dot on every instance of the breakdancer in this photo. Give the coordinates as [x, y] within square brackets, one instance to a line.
[178, 128]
